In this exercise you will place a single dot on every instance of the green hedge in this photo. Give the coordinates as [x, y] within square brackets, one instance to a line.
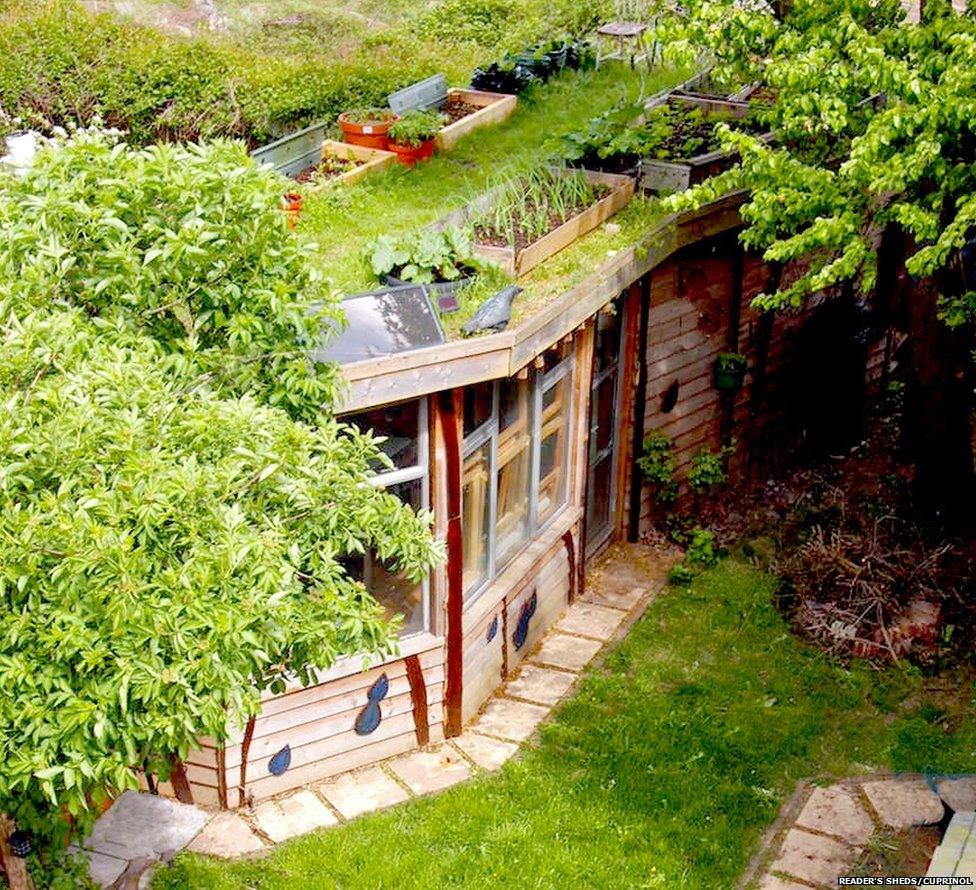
[62, 64]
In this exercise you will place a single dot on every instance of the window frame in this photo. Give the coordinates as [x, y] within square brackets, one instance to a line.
[419, 471]
[541, 384]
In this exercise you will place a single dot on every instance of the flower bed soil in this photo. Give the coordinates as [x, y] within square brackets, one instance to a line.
[494, 238]
[456, 109]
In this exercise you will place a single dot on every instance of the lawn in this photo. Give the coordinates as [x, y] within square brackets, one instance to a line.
[663, 771]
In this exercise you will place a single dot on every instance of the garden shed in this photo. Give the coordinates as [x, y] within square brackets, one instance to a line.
[523, 443]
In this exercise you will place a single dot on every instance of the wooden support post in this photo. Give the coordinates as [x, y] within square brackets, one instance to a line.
[418, 699]
[449, 412]
[640, 407]
[179, 781]
[245, 750]
[732, 334]
[14, 868]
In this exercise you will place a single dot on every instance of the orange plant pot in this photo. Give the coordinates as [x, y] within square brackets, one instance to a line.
[293, 207]
[408, 155]
[373, 134]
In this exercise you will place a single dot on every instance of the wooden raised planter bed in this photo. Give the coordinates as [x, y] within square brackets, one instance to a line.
[518, 262]
[370, 160]
[493, 109]
[680, 174]
[432, 94]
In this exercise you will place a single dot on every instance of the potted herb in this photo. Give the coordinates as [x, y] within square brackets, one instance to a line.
[368, 127]
[412, 137]
[730, 370]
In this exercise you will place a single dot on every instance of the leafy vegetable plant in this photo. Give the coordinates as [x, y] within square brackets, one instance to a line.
[424, 257]
[417, 127]
[370, 115]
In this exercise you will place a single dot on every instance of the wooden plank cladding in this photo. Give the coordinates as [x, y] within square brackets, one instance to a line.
[700, 306]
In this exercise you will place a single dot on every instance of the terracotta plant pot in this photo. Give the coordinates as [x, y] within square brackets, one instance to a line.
[371, 134]
[408, 155]
[293, 207]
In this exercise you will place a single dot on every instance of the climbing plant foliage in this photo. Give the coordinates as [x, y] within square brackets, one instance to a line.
[174, 499]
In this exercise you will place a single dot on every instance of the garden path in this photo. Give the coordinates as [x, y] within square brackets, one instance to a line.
[140, 830]
[822, 830]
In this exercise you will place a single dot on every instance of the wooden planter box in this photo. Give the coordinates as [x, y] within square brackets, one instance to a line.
[679, 175]
[494, 108]
[374, 160]
[517, 263]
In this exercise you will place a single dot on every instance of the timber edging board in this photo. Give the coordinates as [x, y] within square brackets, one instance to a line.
[421, 372]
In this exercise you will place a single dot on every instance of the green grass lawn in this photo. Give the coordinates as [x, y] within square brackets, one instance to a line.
[341, 221]
[662, 772]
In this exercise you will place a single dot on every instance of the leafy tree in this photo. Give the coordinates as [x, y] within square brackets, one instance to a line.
[873, 172]
[174, 501]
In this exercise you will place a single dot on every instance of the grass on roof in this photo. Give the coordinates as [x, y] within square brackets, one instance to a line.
[662, 771]
[341, 221]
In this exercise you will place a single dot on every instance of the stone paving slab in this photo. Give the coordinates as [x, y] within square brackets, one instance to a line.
[105, 870]
[950, 851]
[812, 858]
[486, 752]
[960, 794]
[353, 794]
[227, 836]
[624, 599]
[299, 813]
[836, 811]
[541, 685]
[427, 771]
[902, 803]
[590, 620]
[510, 719]
[145, 826]
[569, 653]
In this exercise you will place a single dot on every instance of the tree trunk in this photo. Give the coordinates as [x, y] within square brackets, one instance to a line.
[938, 410]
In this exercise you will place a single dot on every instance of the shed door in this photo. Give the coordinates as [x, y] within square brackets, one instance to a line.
[601, 494]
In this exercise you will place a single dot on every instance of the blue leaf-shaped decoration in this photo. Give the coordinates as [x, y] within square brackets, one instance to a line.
[492, 629]
[377, 692]
[533, 603]
[280, 762]
[522, 626]
[368, 719]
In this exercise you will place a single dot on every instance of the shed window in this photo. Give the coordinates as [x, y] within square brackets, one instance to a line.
[516, 465]
[404, 427]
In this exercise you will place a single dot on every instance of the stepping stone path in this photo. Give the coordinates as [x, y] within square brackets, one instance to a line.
[618, 591]
[822, 831]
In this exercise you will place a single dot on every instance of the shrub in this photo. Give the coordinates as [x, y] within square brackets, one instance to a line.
[172, 528]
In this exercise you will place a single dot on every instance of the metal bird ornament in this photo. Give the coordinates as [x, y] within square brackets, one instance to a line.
[495, 313]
